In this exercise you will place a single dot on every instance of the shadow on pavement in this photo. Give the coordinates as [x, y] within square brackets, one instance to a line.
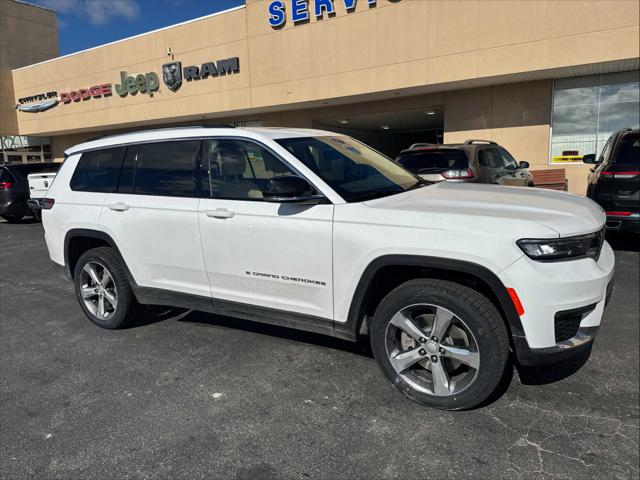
[554, 372]
[154, 314]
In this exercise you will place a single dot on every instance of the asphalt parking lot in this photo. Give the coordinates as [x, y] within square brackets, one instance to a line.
[191, 395]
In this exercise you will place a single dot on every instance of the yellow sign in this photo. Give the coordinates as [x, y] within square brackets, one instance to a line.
[566, 159]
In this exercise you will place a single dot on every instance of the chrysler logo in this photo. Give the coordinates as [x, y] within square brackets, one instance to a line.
[172, 75]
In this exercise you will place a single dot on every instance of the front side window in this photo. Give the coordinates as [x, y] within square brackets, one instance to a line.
[353, 170]
[508, 161]
[240, 170]
[97, 170]
[170, 169]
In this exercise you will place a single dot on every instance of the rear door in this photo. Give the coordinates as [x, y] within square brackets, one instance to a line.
[153, 216]
[274, 255]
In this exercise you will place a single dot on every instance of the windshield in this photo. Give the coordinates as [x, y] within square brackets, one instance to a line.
[353, 170]
[423, 161]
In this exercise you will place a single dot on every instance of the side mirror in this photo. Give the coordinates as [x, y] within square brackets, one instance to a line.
[523, 165]
[290, 189]
[589, 159]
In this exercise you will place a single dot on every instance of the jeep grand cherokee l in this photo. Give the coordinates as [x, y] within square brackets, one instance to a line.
[314, 230]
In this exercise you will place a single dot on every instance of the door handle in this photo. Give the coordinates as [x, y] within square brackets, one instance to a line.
[119, 207]
[220, 213]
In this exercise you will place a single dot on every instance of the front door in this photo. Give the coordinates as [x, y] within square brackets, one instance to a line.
[275, 255]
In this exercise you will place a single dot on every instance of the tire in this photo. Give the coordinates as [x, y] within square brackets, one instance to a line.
[37, 215]
[12, 218]
[120, 307]
[472, 351]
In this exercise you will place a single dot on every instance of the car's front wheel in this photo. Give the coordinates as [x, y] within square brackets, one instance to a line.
[103, 289]
[440, 343]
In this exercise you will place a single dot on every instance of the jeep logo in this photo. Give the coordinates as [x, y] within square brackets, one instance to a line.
[147, 83]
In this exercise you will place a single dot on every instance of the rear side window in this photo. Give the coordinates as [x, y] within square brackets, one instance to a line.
[629, 151]
[169, 169]
[433, 160]
[97, 171]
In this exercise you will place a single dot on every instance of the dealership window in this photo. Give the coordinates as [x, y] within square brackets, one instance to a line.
[587, 110]
[25, 149]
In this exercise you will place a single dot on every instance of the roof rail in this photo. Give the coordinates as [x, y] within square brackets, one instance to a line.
[472, 141]
[204, 125]
[417, 145]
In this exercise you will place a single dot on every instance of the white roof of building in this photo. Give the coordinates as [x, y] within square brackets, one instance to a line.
[261, 133]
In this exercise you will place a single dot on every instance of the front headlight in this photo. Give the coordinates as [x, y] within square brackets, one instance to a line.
[569, 248]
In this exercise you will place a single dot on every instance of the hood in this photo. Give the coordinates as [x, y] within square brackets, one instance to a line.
[565, 213]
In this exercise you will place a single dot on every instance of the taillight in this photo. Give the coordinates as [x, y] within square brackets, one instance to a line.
[618, 214]
[5, 185]
[458, 174]
[47, 203]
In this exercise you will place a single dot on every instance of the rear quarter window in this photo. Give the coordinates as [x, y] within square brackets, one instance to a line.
[629, 151]
[435, 160]
[97, 170]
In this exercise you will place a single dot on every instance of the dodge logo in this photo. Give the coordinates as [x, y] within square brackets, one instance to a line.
[172, 75]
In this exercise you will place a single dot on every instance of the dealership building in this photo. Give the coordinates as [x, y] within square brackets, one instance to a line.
[549, 80]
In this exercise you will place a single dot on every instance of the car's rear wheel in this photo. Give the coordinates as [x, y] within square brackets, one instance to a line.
[37, 214]
[440, 343]
[103, 290]
[12, 218]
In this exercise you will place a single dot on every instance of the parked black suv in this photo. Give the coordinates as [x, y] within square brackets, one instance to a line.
[14, 188]
[472, 161]
[614, 181]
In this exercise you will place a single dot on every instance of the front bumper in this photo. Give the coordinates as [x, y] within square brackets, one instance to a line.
[548, 289]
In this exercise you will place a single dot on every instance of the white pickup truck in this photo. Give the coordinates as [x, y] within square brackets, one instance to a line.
[39, 184]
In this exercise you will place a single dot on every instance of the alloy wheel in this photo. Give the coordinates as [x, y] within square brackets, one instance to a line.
[432, 349]
[98, 290]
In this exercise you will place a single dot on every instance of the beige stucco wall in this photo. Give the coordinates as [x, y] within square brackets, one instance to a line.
[27, 35]
[394, 48]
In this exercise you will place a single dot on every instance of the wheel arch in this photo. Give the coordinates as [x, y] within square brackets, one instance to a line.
[387, 272]
[79, 240]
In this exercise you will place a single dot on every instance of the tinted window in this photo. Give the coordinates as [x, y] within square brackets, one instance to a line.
[508, 161]
[97, 171]
[490, 158]
[353, 170]
[128, 171]
[169, 169]
[433, 160]
[629, 152]
[241, 170]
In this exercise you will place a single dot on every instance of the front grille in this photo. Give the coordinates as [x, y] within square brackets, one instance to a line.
[567, 322]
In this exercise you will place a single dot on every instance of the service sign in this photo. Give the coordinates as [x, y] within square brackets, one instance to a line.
[300, 11]
[132, 84]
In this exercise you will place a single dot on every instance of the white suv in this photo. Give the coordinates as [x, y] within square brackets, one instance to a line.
[316, 231]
